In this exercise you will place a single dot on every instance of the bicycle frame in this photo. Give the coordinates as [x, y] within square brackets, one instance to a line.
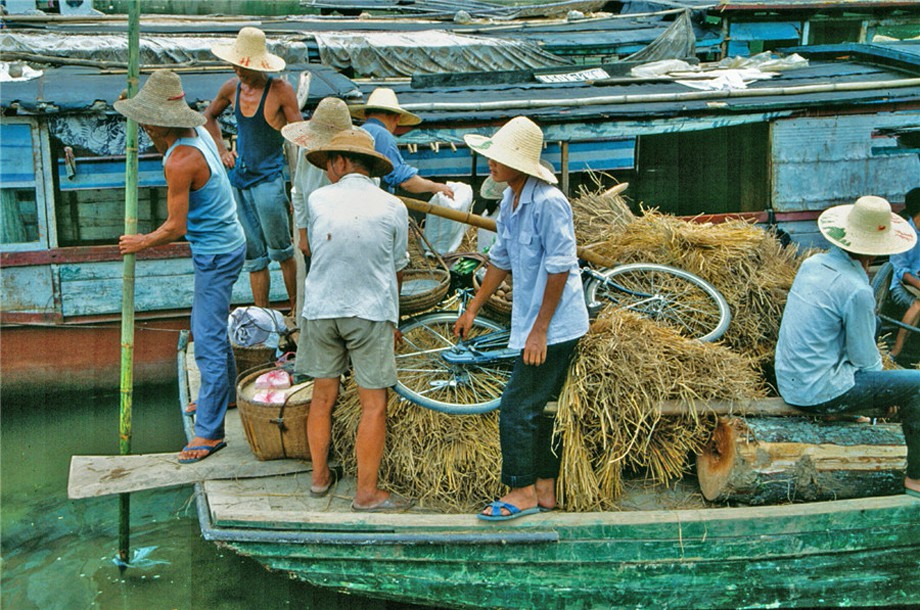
[481, 350]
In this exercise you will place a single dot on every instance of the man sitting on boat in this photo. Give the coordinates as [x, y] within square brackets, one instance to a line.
[827, 361]
[382, 116]
[262, 105]
[358, 237]
[200, 206]
[536, 243]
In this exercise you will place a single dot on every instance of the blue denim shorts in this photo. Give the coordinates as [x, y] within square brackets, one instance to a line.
[900, 295]
[263, 212]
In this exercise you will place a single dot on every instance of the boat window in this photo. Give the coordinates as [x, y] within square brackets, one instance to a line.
[19, 212]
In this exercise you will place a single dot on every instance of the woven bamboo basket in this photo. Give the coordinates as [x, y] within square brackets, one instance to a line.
[422, 289]
[275, 431]
[249, 358]
[499, 304]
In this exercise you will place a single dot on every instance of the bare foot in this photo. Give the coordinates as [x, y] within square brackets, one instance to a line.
[546, 493]
[197, 454]
[522, 497]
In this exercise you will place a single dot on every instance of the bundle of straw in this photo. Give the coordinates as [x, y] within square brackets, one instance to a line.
[747, 264]
[597, 215]
[608, 416]
[450, 463]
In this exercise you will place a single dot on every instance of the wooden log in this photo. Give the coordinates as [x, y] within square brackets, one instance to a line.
[759, 461]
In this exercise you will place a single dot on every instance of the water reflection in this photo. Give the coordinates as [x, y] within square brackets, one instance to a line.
[57, 553]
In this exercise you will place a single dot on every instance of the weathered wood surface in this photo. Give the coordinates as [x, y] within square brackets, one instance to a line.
[760, 461]
[100, 475]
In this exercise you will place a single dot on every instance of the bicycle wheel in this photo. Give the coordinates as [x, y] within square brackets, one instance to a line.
[668, 295]
[426, 379]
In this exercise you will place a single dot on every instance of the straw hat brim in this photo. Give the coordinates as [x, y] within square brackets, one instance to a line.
[406, 118]
[305, 134]
[835, 227]
[162, 115]
[379, 164]
[484, 146]
[491, 189]
[265, 62]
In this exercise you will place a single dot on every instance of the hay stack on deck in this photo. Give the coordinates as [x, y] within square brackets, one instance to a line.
[607, 413]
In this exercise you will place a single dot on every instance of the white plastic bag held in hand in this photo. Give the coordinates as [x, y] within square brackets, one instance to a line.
[443, 234]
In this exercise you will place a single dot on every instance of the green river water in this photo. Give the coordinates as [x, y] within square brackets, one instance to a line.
[57, 553]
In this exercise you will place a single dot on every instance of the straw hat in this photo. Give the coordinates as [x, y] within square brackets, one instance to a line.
[383, 98]
[867, 227]
[330, 117]
[491, 189]
[517, 144]
[160, 102]
[248, 51]
[352, 141]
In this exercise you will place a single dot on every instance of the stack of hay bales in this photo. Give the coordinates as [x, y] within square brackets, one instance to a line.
[624, 368]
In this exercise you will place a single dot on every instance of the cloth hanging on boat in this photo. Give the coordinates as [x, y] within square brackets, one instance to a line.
[251, 326]
[383, 54]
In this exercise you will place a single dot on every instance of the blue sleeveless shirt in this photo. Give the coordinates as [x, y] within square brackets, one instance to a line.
[259, 146]
[212, 226]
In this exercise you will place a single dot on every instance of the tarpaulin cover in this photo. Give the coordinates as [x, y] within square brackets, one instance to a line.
[383, 54]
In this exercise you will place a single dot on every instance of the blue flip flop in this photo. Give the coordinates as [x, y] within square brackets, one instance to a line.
[209, 448]
[514, 511]
[911, 492]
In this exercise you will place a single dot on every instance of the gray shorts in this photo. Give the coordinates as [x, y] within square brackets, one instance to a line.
[327, 344]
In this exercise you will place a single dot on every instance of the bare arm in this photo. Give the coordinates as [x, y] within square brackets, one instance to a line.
[221, 102]
[288, 109]
[417, 184]
[535, 346]
[182, 171]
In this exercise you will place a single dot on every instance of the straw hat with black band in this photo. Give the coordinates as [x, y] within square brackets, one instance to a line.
[517, 144]
[248, 51]
[867, 227]
[161, 102]
[383, 98]
[330, 117]
[352, 141]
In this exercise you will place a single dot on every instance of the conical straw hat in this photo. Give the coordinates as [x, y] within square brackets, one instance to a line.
[160, 102]
[491, 189]
[248, 51]
[353, 141]
[517, 144]
[383, 98]
[330, 117]
[867, 227]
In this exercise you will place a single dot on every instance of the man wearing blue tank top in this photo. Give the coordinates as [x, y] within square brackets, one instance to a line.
[200, 206]
[262, 105]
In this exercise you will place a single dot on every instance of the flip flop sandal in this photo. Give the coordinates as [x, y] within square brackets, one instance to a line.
[514, 511]
[211, 450]
[393, 504]
[335, 474]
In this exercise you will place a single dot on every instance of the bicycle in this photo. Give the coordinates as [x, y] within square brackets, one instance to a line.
[437, 371]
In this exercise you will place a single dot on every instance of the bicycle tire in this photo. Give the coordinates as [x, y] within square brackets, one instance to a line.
[427, 380]
[669, 295]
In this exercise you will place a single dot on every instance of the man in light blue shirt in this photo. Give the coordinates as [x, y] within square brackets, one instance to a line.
[536, 243]
[905, 281]
[827, 361]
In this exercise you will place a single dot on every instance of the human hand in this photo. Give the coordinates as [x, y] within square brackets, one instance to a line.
[397, 338]
[228, 158]
[463, 324]
[443, 188]
[129, 244]
[535, 348]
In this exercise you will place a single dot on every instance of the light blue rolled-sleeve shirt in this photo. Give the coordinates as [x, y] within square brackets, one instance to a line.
[533, 241]
[906, 262]
[385, 144]
[827, 333]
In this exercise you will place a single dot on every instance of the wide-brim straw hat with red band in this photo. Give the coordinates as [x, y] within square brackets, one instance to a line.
[383, 98]
[517, 144]
[160, 102]
[352, 141]
[330, 117]
[248, 51]
[867, 227]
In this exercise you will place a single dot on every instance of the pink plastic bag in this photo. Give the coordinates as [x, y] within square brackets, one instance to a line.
[269, 397]
[277, 379]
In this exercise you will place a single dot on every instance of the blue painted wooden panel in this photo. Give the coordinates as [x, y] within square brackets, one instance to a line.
[767, 30]
[825, 161]
[27, 290]
[16, 160]
[95, 288]
[597, 155]
[110, 174]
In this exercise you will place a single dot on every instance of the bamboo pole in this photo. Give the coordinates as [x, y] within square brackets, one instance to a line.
[487, 223]
[524, 104]
[127, 295]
